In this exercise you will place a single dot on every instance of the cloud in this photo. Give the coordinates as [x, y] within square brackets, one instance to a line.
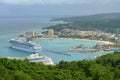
[54, 1]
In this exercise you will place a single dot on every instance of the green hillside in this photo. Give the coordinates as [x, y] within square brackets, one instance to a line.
[106, 67]
[106, 22]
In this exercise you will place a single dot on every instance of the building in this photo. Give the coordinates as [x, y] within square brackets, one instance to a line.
[31, 34]
[119, 40]
[51, 33]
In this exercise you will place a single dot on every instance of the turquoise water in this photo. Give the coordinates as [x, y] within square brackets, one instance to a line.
[63, 45]
[57, 45]
[5, 51]
[12, 27]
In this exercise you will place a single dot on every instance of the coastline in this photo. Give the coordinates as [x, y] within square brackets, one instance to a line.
[105, 42]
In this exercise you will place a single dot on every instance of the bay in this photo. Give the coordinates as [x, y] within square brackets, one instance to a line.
[12, 27]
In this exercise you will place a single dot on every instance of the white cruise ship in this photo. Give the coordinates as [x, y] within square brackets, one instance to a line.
[36, 58]
[24, 44]
[39, 58]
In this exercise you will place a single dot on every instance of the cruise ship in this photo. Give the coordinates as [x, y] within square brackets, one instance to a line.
[24, 44]
[36, 57]
[39, 58]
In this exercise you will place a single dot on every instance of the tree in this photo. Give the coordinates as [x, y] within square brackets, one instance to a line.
[19, 75]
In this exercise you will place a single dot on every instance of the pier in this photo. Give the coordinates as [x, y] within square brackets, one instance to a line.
[61, 52]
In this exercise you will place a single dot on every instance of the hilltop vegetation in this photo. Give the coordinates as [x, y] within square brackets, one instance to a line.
[106, 67]
[107, 22]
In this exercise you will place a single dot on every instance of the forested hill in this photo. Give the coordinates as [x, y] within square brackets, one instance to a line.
[102, 16]
[106, 22]
[106, 67]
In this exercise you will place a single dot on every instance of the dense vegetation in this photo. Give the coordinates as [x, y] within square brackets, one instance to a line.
[108, 22]
[106, 67]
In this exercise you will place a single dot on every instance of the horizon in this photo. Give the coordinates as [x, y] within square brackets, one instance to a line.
[55, 16]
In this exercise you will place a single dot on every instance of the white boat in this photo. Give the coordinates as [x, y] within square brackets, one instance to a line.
[97, 56]
[38, 58]
[24, 44]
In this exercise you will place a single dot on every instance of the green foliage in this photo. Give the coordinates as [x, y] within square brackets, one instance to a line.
[19, 75]
[99, 72]
[109, 59]
[106, 67]
[102, 22]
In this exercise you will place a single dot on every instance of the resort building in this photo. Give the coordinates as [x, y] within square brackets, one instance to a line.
[51, 33]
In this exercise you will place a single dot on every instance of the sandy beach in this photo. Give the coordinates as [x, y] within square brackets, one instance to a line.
[105, 42]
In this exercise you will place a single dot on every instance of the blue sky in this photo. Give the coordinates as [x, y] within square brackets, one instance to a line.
[57, 7]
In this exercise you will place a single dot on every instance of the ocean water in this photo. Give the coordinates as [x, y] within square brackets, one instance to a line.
[11, 27]
[63, 47]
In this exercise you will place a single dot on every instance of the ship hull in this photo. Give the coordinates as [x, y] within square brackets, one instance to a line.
[23, 49]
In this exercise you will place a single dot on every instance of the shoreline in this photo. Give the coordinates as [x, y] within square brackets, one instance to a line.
[105, 42]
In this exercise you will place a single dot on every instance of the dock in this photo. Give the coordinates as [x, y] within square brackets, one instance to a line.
[61, 52]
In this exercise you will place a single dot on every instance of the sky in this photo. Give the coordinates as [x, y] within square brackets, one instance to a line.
[57, 7]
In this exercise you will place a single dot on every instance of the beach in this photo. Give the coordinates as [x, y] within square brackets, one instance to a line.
[105, 42]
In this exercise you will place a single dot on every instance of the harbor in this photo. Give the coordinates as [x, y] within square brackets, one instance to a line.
[57, 45]
[68, 48]
[58, 48]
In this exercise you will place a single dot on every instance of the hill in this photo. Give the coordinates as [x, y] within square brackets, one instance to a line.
[106, 67]
[106, 22]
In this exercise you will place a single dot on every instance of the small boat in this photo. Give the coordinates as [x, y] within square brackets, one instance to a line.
[97, 56]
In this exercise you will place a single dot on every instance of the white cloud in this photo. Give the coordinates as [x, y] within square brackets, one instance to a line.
[54, 1]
